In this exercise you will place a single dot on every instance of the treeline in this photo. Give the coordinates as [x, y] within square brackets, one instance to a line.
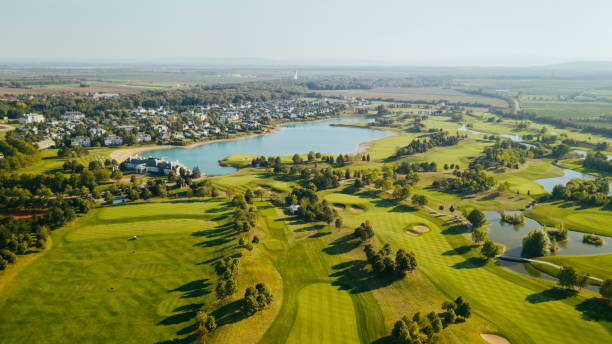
[17, 153]
[434, 140]
[588, 191]
[178, 99]
[18, 237]
[504, 153]
[468, 181]
[597, 161]
[593, 128]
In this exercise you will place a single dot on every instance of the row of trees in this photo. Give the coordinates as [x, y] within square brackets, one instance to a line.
[423, 329]
[433, 140]
[468, 181]
[588, 191]
[597, 161]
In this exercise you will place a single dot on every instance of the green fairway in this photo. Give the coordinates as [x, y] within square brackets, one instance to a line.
[575, 217]
[598, 266]
[325, 315]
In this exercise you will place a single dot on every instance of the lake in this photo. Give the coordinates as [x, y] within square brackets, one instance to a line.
[319, 137]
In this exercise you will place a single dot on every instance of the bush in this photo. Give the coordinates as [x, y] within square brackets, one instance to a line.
[536, 244]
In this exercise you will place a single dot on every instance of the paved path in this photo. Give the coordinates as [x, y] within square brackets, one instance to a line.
[527, 260]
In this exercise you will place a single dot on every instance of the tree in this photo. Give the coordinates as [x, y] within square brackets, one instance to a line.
[401, 192]
[116, 175]
[479, 235]
[463, 308]
[259, 194]
[606, 289]
[477, 218]
[364, 231]
[536, 244]
[490, 249]
[568, 277]
[196, 172]
[338, 222]
[297, 159]
[419, 200]
[405, 261]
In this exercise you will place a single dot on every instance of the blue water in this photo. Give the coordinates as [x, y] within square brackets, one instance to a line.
[319, 137]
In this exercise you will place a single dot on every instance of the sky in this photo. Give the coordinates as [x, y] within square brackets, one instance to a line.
[385, 32]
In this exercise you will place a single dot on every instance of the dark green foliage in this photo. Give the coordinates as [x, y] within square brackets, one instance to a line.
[536, 244]
[472, 180]
[477, 218]
[490, 249]
[592, 239]
[364, 232]
[597, 161]
[588, 191]
[606, 289]
[569, 278]
[17, 153]
[504, 153]
[434, 140]
[256, 298]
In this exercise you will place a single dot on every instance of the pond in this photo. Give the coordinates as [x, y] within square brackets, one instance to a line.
[549, 183]
[320, 137]
[511, 236]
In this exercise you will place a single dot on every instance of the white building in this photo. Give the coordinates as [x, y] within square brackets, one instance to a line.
[97, 131]
[83, 141]
[72, 116]
[31, 118]
[143, 137]
[113, 140]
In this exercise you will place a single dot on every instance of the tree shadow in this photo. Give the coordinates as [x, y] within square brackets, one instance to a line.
[403, 208]
[471, 263]
[193, 289]
[342, 245]
[383, 340]
[229, 313]
[352, 277]
[459, 250]
[455, 229]
[185, 340]
[595, 309]
[552, 294]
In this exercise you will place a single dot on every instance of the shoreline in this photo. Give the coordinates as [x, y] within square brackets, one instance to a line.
[122, 154]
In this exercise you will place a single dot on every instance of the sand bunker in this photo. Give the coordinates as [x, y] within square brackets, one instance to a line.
[494, 339]
[357, 210]
[412, 233]
[421, 229]
[339, 206]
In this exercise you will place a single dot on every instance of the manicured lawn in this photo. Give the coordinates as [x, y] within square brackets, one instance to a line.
[598, 266]
[325, 315]
[575, 217]
[145, 290]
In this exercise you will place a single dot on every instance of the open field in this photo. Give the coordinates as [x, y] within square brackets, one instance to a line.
[598, 266]
[567, 110]
[418, 94]
[575, 217]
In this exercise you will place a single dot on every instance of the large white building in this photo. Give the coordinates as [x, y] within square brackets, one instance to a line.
[72, 116]
[113, 140]
[83, 141]
[31, 118]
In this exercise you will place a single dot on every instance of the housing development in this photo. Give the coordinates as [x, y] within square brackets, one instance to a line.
[344, 172]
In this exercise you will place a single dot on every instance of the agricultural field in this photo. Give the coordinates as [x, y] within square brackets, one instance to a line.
[418, 94]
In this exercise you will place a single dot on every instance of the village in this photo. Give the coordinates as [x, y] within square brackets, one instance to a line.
[163, 125]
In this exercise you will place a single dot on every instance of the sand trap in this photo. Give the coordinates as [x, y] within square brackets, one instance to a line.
[494, 339]
[421, 229]
[339, 206]
[357, 210]
[412, 233]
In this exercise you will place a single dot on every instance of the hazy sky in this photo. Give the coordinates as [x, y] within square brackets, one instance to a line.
[425, 32]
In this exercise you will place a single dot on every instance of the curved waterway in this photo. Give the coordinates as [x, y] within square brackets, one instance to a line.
[320, 137]
[511, 236]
